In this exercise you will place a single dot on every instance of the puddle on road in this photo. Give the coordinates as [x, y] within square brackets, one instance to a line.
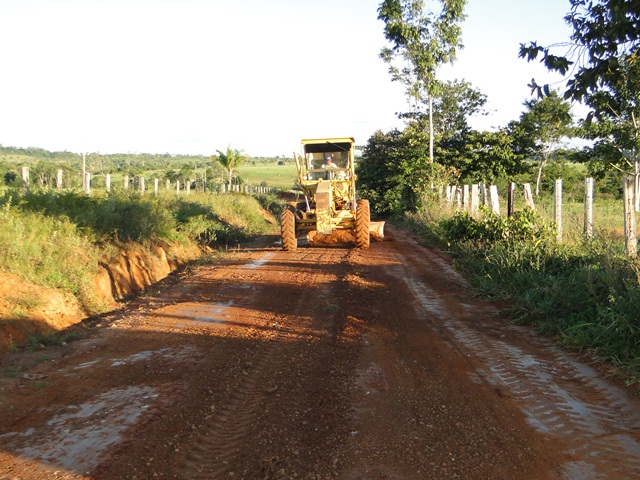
[162, 354]
[260, 262]
[77, 440]
[207, 313]
[187, 314]
[87, 364]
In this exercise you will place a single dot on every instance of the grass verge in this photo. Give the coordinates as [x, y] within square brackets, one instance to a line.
[585, 293]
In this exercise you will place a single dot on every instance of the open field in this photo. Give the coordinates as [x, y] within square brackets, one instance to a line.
[275, 176]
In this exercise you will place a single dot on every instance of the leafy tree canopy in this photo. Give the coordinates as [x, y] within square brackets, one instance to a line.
[606, 36]
[453, 106]
[604, 62]
[546, 121]
[482, 156]
[394, 172]
[421, 41]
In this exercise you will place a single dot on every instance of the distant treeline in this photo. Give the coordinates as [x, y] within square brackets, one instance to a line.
[43, 165]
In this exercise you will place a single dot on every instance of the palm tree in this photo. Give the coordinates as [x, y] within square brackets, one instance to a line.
[231, 160]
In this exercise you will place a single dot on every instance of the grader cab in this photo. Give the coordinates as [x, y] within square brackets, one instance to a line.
[326, 175]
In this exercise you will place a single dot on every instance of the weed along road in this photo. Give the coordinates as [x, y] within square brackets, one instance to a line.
[322, 363]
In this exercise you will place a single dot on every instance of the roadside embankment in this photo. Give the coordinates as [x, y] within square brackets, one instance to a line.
[28, 310]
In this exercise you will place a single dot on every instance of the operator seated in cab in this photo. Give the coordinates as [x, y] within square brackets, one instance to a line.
[328, 165]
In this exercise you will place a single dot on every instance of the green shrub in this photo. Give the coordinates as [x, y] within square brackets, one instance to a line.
[524, 226]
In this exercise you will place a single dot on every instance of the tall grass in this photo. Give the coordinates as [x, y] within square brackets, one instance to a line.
[129, 216]
[48, 251]
[584, 292]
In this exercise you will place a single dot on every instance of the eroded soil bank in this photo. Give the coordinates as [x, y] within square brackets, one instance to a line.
[323, 363]
[30, 310]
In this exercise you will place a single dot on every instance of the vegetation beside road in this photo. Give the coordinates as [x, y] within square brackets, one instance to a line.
[55, 239]
[584, 292]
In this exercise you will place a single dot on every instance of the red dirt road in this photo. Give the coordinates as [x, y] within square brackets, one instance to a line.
[323, 363]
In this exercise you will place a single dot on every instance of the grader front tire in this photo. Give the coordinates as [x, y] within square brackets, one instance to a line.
[363, 217]
[288, 231]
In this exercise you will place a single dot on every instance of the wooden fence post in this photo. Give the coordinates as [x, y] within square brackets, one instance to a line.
[483, 195]
[142, 187]
[557, 208]
[59, 180]
[84, 172]
[494, 200]
[475, 199]
[126, 182]
[511, 198]
[588, 207]
[466, 201]
[87, 183]
[25, 175]
[630, 240]
[107, 182]
[187, 185]
[155, 186]
[177, 187]
[168, 184]
[637, 189]
[528, 197]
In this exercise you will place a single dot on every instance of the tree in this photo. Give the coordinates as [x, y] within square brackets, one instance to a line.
[604, 54]
[230, 160]
[546, 121]
[614, 126]
[421, 41]
[454, 104]
[394, 172]
[381, 175]
[482, 157]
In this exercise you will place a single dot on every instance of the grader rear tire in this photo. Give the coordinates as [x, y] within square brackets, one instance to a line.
[288, 231]
[363, 217]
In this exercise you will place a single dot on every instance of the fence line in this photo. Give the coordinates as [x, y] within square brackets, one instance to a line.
[470, 197]
[127, 183]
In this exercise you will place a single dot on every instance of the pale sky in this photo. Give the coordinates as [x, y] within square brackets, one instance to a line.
[193, 76]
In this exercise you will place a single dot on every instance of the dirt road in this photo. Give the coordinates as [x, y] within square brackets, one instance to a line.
[323, 363]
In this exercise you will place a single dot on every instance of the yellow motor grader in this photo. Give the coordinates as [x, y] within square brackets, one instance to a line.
[326, 175]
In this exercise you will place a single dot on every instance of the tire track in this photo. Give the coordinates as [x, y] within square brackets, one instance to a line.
[222, 436]
[560, 396]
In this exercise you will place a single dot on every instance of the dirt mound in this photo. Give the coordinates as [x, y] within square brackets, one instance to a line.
[334, 238]
[338, 237]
